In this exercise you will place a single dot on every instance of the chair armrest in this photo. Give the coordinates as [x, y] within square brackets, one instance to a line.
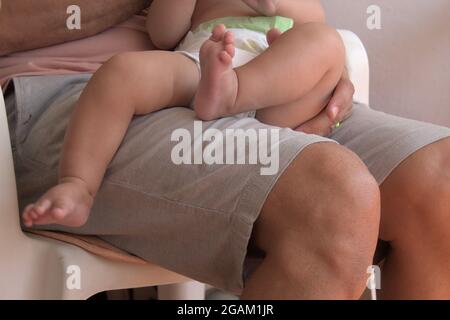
[9, 215]
[357, 65]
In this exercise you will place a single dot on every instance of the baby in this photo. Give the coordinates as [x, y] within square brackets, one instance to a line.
[272, 59]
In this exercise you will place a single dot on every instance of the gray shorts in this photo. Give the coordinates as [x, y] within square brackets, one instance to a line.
[193, 219]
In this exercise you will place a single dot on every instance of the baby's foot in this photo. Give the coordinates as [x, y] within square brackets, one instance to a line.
[217, 90]
[273, 35]
[68, 203]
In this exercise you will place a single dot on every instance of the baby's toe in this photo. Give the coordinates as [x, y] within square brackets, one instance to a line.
[218, 32]
[228, 44]
[26, 211]
[273, 35]
[27, 222]
[229, 48]
[228, 38]
[42, 206]
[33, 214]
[26, 217]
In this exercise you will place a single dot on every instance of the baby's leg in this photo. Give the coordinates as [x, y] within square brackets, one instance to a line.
[129, 84]
[293, 114]
[306, 60]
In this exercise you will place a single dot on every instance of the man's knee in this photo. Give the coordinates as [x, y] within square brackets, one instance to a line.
[324, 178]
[326, 204]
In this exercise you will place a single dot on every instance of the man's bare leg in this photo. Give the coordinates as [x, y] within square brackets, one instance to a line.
[415, 201]
[129, 84]
[318, 229]
[319, 56]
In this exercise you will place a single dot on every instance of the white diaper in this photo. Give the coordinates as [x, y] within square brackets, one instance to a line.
[249, 44]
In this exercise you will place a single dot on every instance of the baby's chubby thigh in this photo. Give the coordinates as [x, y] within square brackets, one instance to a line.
[326, 49]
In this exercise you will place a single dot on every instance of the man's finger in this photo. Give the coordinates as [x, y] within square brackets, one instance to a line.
[320, 125]
[341, 102]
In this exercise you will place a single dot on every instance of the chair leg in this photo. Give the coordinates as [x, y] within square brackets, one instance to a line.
[182, 291]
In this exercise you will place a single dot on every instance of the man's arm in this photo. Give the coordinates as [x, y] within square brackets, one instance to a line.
[30, 24]
[168, 21]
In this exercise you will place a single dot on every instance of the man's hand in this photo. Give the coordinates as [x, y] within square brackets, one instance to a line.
[26, 25]
[339, 108]
[264, 7]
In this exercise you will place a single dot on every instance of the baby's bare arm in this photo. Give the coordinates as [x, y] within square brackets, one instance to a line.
[264, 7]
[302, 11]
[168, 21]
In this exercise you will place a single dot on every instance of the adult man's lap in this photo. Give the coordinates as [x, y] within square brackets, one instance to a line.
[146, 199]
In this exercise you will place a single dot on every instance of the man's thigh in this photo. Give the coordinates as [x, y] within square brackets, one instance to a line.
[194, 218]
[384, 141]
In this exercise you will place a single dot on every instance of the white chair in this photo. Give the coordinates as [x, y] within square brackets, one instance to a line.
[35, 267]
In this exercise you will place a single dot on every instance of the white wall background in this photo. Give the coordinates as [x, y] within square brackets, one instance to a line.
[409, 56]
